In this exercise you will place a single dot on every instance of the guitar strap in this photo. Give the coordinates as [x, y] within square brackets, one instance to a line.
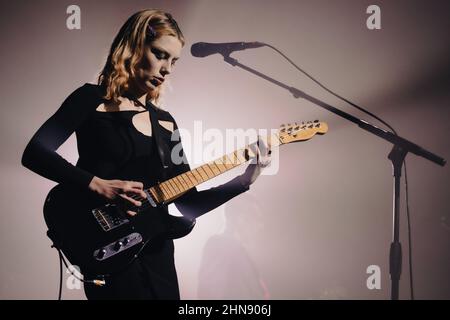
[160, 145]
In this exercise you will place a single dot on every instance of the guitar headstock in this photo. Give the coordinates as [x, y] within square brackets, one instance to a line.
[293, 132]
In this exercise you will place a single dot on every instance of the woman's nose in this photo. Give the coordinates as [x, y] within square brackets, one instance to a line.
[166, 69]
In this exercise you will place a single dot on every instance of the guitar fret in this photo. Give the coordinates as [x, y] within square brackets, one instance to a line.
[174, 186]
[230, 159]
[181, 184]
[211, 175]
[187, 180]
[155, 195]
[164, 189]
[220, 165]
[236, 154]
[233, 159]
[160, 189]
[214, 169]
[197, 175]
[239, 156]
[193, 180]
[204, 173]
[171, 192]
[227, 163]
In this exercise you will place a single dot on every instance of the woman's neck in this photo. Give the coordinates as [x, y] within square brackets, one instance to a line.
[137, 94]
[142, 99]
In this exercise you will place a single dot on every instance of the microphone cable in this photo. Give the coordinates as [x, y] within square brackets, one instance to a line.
[411, 282]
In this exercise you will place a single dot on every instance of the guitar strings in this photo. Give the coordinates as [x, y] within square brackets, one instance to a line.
[145, 201]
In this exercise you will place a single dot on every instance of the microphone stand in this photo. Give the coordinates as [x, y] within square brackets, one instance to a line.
[400, 149]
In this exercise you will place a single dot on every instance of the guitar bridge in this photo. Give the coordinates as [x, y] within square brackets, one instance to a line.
[109, 217]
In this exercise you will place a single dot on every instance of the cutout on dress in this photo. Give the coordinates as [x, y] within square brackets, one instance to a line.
[168, 125]
[102, 108]
[141, 122]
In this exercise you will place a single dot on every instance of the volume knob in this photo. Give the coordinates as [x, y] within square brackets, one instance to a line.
[118, 245]
[101, 253]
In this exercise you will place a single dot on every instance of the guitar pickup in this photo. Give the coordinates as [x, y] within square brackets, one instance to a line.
[109, 217]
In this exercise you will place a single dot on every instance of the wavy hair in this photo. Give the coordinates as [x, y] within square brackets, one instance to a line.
[128, 49]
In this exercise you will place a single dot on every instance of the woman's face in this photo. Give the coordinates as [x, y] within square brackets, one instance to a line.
[157, 63]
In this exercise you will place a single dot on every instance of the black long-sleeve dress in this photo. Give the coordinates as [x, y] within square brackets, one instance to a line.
[110, 147]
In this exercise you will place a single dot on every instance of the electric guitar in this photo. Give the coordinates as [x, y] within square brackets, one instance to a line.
[101, 238]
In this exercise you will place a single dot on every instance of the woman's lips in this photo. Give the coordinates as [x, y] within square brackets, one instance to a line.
[156, 81]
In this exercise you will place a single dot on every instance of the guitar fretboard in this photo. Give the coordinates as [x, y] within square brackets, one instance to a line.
[173, 188]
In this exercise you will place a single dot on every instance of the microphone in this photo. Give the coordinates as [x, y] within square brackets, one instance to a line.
[203, 49]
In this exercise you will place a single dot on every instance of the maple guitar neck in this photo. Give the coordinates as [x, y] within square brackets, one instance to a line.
[171, 189]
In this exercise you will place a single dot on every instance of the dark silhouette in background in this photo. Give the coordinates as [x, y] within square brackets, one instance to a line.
[227, 270]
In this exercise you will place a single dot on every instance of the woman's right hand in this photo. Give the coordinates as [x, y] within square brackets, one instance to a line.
[111, 189]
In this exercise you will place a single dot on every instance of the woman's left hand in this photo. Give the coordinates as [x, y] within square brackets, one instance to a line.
[254, 169]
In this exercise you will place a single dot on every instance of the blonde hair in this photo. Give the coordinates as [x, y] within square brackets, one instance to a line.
[128, 48]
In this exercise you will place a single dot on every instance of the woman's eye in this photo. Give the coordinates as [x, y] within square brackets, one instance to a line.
[158, 55]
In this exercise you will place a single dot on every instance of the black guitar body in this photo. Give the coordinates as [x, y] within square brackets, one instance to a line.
[99, 237]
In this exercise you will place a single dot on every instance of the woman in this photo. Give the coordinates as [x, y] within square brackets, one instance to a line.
[118, 154]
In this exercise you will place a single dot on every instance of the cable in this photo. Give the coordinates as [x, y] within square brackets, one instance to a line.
[60, 274]
[328, 90]
[411, 282]
[63, 260]
[408, 218]
[95, 281]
